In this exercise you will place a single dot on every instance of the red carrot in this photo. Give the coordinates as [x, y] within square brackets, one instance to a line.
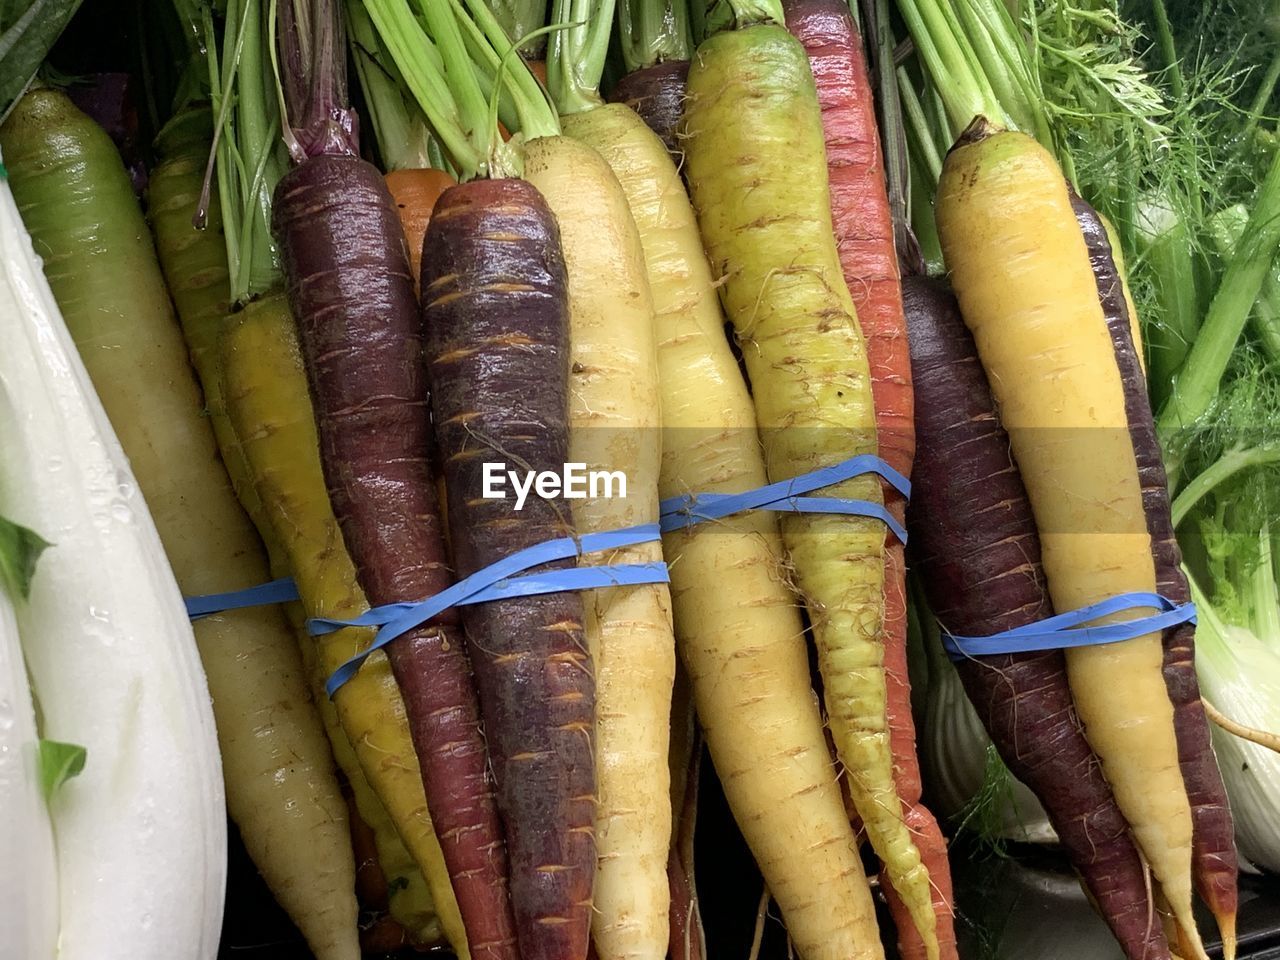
[974, 540]
[865, 237]
[495, 309]
[1213, 851]
[352, 296]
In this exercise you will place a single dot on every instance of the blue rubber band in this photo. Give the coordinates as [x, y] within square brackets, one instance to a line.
[788, 496]
[1064, 630]
[263, 595]
[499, 581]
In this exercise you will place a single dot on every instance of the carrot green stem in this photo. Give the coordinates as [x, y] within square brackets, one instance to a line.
[248, 158]
[313, 80]
[952, 63]
[747, 12]
[519, 18]
[576, 52]
[1197, 382]
[441, 58]
[651, 31]
[399, 128]
[879, 38]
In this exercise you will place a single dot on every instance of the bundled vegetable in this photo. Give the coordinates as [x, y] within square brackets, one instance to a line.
[107, 642]
[267, 400]
[615, 424]
[1061, 396]
[975, 543]
[495, 308]
[758, 178]
[864, 232]
[352, 296]
[754, 699]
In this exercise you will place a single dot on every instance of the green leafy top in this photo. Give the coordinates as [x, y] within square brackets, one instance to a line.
[28, 30]
[461, 67]
[576, 52]
[20, 549]
[399, 127]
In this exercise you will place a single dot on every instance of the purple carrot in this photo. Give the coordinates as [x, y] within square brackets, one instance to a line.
[495, 308]
[975, 544]
[352, 296]
[1213, 849]
[656, 93]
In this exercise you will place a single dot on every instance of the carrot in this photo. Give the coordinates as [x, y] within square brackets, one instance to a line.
[337, 228]
[195, 268]
[757, 709]
[1213, 851]
[614, 425]
[495, 308]
[656, 93]
[865, 238]
[758, 177]
[267, 401]
[974, 541]
[349, 287]
[79, 206]
[415, 193]
[1023, 279]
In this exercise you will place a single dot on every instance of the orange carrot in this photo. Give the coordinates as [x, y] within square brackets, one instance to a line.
[864, 233]
[415, 193]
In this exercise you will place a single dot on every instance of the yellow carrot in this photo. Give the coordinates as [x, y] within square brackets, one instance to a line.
[614, 426]
[1022, 275]
[757, 172]
[266, 393]
[738, 629]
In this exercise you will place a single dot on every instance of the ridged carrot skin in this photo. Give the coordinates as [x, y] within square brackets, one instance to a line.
[737, 626]
[1025, 286]
[1213, 850]
[495, 311]
[265, 386]
[756, 165]
[865, 238]
[656, 94]
[352, 297]
[195, 267]
[974, 542]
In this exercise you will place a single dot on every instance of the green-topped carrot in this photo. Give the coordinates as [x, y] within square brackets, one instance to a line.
[1022, 275]
[757, 170]
[351, 294]
[614, 424]
[495, 306]
[755, 701]
[864, 232]
[656, 39]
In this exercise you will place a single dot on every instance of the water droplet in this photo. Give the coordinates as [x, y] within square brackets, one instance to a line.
[121, 512]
